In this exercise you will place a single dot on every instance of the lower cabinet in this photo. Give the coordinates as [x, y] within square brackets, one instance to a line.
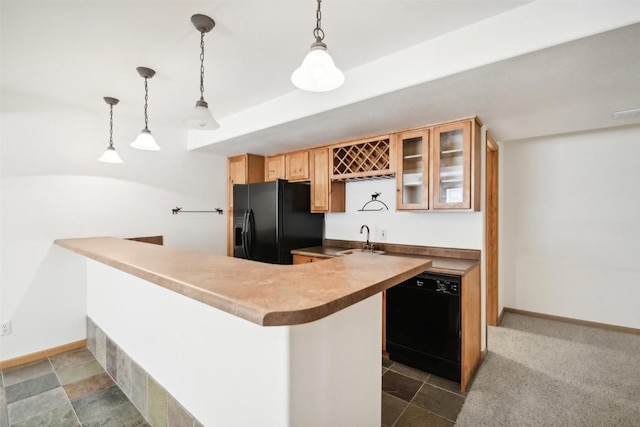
[470, 310]
[304, 259]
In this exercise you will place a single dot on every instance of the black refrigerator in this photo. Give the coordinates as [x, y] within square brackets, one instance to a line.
[272, 218]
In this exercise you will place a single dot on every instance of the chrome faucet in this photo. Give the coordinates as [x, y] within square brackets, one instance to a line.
[366, 246]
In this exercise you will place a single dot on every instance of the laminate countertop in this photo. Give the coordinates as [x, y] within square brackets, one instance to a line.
[265, 294]
[439, 264]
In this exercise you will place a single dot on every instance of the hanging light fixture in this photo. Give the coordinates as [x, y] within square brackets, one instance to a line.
[110, 155]
[201, 117]
[145, 140]
[318, 73]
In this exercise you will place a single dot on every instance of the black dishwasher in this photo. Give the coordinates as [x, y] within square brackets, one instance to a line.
[423, 324]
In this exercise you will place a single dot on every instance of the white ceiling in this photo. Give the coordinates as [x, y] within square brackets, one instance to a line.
[76, 52]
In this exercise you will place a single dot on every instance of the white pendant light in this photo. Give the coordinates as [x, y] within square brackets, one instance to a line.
[145, 140]
[201, 117]
[318, 73]
[110, 155]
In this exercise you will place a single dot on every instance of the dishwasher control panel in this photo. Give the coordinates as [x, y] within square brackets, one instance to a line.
[438, 283]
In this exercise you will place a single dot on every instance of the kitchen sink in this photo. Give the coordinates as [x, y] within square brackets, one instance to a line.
[350, 251]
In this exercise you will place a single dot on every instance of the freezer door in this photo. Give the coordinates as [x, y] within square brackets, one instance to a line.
[264, 205]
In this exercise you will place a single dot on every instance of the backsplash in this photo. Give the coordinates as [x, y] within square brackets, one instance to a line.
[441, 229]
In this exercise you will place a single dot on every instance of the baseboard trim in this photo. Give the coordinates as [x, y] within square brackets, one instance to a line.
[500, 316]
[39, 355]
[606, 326]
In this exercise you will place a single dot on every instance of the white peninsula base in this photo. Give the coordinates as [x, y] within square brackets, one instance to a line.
[228, 371]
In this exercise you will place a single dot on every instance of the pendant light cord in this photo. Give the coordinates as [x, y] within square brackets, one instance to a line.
[146, 102]
[110, 126]
[202, 66]
[317, 32]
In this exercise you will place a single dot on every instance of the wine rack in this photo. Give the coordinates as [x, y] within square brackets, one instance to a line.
[367, 159]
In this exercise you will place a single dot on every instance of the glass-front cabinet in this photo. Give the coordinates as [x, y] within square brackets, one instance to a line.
[452, 157]
[413, 170]
[439, 167]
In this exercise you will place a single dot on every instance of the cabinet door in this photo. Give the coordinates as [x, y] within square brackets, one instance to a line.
[320, 180]
[452, 166]
[237, 174]
[326, 196]
[304, 259]
[297, 166]
[274, 168]
[412, 180]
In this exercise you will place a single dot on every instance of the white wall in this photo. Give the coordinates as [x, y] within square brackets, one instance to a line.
[54, 187]
[442, 229]
[214, 363]
[439, 229]
[321, 373]
[570, 227]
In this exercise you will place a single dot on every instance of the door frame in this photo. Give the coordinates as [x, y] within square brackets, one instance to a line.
[491, 227]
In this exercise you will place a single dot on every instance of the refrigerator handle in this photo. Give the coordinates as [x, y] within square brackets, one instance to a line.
[245, 226]
[251, 226]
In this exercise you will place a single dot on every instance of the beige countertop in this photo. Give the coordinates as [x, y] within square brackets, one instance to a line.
[265, 294]
[439, 264]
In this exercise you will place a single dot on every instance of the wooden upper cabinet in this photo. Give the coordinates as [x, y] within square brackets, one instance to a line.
[439, 167]
[365, 158]
[456, 166]
[274, 168]
[412, 180]
[326, 196]
[244, 169]
[297, 166]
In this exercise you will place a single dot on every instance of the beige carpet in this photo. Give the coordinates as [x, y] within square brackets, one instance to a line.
[545, 373]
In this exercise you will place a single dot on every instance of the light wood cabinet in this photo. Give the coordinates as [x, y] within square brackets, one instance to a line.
[412, 180]
[304, 259]
[242, 169]
[365, 158]
[297, 166]
[456, 168]
[274, 168]
[326, 196]
[470, 312]
[439, 167]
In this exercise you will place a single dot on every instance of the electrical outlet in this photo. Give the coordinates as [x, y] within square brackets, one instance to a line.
[383, 234]
[5, 327]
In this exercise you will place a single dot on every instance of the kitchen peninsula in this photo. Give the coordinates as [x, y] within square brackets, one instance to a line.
[243, 343]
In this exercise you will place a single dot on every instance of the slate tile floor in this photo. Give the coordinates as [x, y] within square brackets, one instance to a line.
[67, 390]
[412, 398]
[72, 390]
